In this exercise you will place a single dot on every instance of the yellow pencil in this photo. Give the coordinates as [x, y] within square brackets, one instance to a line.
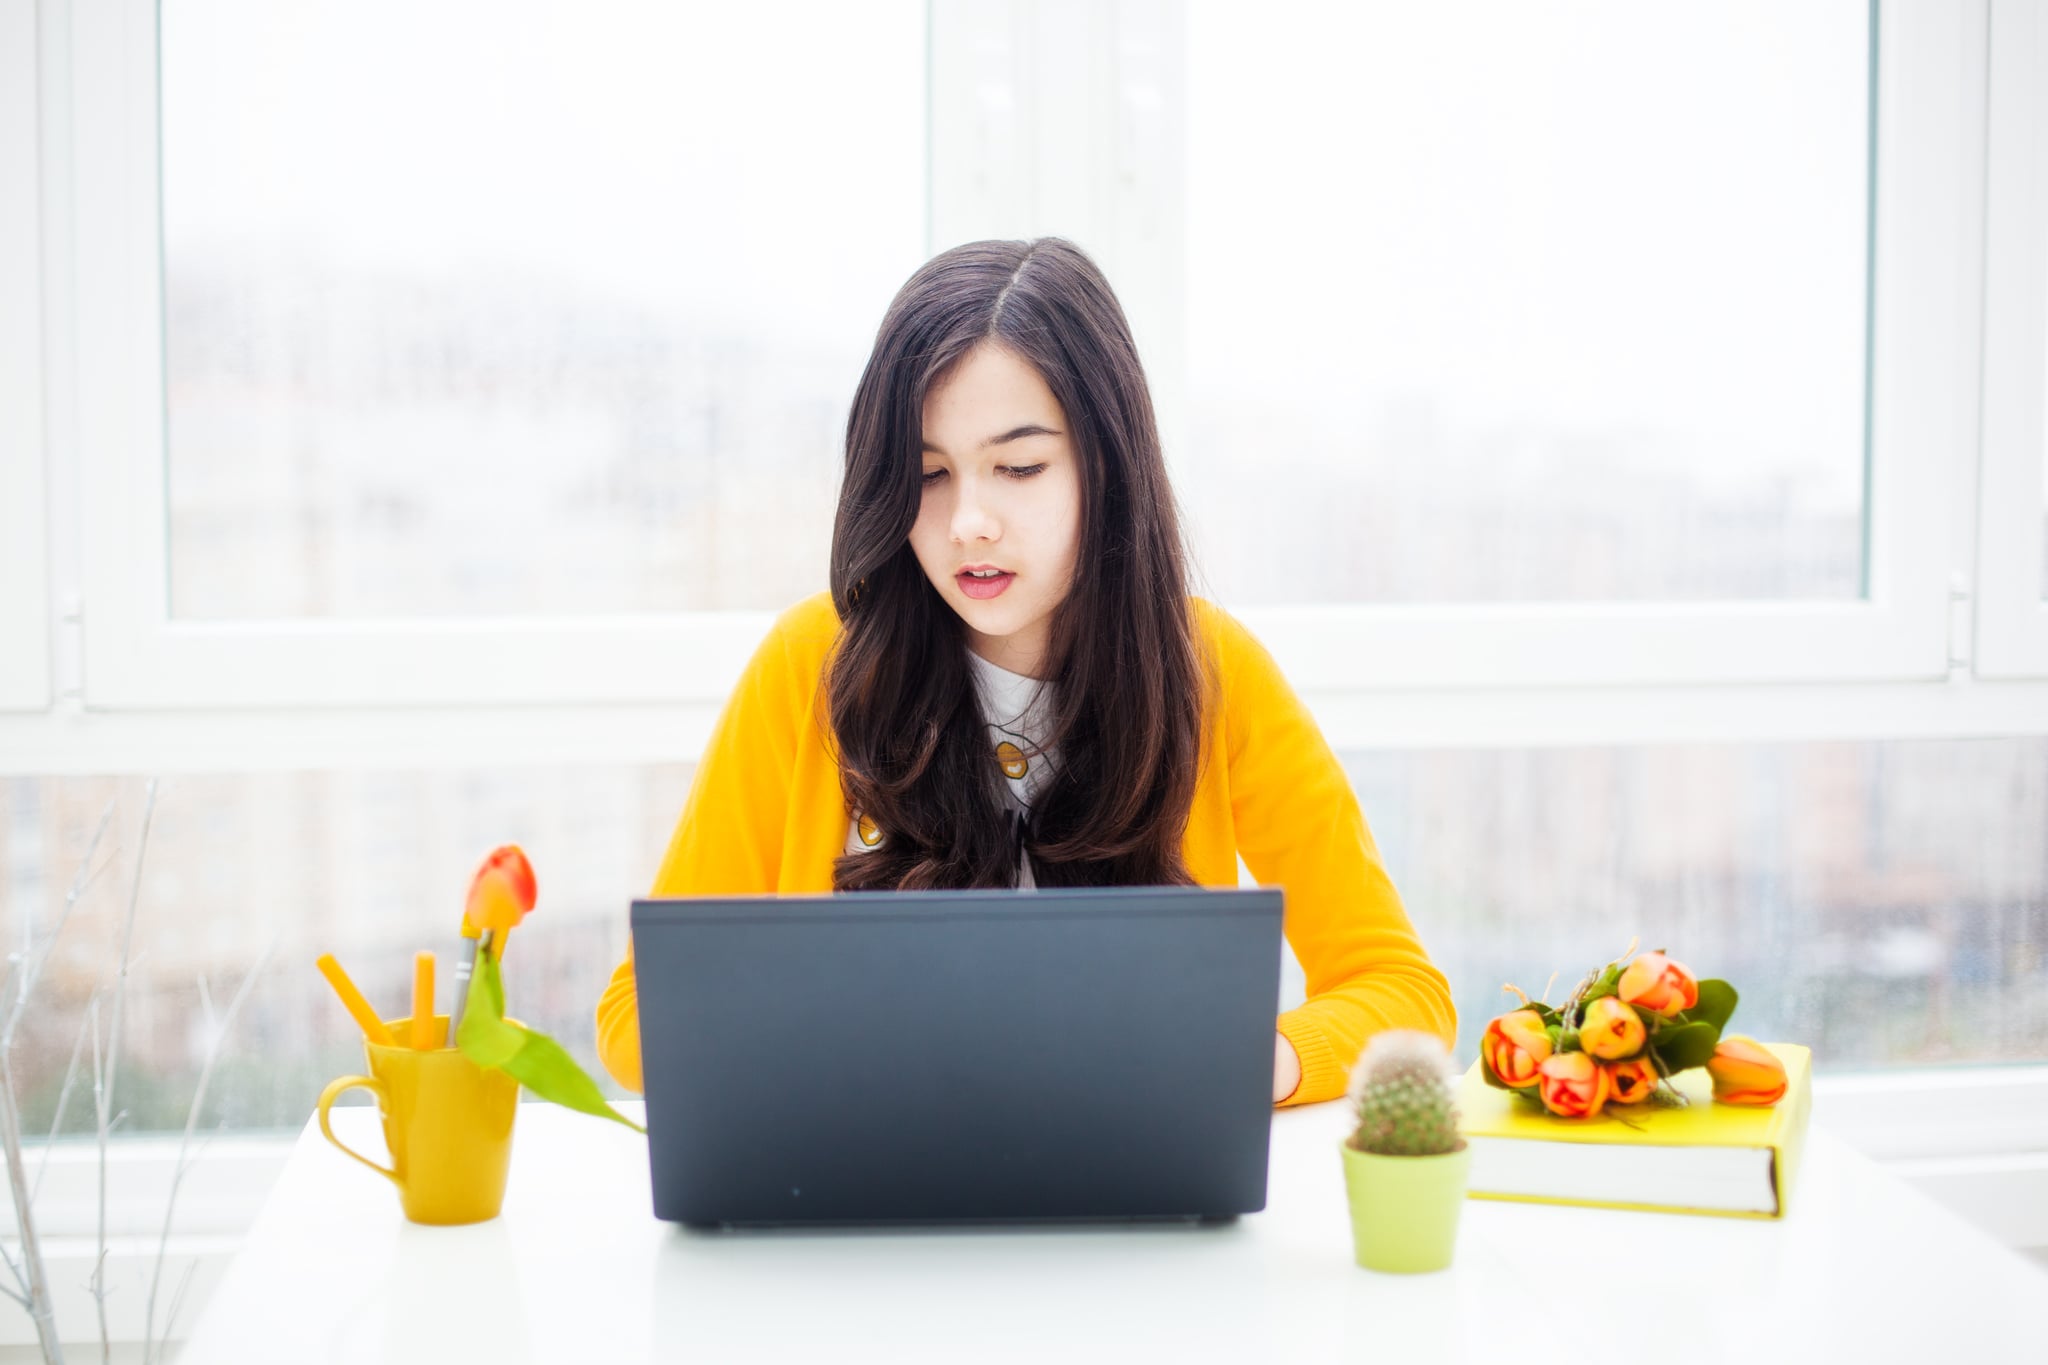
[423, 1001]
[365, 1017]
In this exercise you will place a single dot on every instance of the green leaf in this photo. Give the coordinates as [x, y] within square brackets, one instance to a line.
[483, 1035]
[1687, 1046]
[535, 1060]
[1608, 983]
[1544, 1012]
[1716, 1004]
[551, 1073]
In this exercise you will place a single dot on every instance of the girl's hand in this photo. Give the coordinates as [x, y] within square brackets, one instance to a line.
[1286, 1068]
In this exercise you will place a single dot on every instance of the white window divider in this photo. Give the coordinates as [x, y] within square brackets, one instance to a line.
[24, 575]
[2011, 597]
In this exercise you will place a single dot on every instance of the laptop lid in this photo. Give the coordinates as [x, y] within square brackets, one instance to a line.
[958, 1055]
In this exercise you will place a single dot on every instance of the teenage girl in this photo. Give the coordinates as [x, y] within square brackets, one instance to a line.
[1009, 685]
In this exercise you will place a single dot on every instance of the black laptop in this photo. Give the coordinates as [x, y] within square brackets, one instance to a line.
[941, 1056]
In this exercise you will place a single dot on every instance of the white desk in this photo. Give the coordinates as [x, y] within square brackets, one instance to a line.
[578, 1269]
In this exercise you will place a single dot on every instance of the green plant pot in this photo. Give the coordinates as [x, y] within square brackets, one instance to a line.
[1404, 1209]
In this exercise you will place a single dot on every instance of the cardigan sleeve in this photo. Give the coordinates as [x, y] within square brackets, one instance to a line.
[728, 841]
[1298, 827]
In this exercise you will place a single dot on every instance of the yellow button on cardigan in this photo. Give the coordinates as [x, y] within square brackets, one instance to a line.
[766, 814]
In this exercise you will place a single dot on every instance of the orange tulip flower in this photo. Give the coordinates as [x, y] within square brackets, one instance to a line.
[1573, 1085]
[1612, 1030]
[1631, 1082]
[1654, 982]
[1515, 1045]
[502, 893]
[1746, 1072]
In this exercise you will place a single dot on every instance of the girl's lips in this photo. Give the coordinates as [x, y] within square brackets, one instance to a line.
[983, 587]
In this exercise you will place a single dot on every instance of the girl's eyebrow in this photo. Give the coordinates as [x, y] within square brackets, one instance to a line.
[1014, 434]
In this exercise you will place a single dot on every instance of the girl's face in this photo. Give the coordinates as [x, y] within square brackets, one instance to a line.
[1002, 490]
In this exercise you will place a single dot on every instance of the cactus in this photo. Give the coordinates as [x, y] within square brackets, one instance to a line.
[1401, 1093]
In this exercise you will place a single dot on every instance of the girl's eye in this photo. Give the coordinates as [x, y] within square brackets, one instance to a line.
[932, 476]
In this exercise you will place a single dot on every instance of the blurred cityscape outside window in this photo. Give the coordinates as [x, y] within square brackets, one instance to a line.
[1562, 305]
[1885, 902]
[536, 309]
[1527, 302]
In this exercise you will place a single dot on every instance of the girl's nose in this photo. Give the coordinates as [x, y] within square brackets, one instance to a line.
[972, 518]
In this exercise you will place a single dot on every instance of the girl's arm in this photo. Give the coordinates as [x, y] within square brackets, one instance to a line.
[1298, 827]
[728, 841]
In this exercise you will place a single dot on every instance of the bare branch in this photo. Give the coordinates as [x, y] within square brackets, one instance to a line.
[128, 938]
[19, 1278]
[24, 971]
[36, 1287]
[97, 1284]
[213, 1049]
[171, 1315]
[92, 1006]
[103, 1089]
[30, 962]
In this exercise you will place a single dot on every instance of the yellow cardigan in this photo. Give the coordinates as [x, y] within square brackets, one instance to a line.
[766, 814]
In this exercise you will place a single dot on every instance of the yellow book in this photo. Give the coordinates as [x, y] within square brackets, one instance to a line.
[1733, 1160]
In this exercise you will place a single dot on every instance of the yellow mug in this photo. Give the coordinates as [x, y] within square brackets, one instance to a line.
[447, 1123]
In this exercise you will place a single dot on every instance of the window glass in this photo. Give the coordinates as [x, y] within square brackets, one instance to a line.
[498, 309]
[1498, 301]
[369, 866]
[1886, 903]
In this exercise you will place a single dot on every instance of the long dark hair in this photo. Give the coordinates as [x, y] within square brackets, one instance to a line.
[1128, 681]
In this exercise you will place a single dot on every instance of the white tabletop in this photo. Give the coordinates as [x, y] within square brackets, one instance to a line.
[577, 1268]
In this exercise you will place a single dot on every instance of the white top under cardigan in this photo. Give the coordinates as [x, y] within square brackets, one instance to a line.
[1015, 708]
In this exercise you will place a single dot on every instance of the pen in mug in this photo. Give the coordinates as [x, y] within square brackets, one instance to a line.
[423, 1001]
[365, 1017]
[465, 966]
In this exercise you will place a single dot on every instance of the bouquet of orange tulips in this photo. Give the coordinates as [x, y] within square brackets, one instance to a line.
[1619, 1038]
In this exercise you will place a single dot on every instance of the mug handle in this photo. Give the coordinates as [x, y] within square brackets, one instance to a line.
[331, 1094]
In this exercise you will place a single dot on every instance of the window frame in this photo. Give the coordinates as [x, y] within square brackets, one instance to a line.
[1044, 167]
[1018, 144]
[136, 656]
[24, 581]
[2011, 598]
